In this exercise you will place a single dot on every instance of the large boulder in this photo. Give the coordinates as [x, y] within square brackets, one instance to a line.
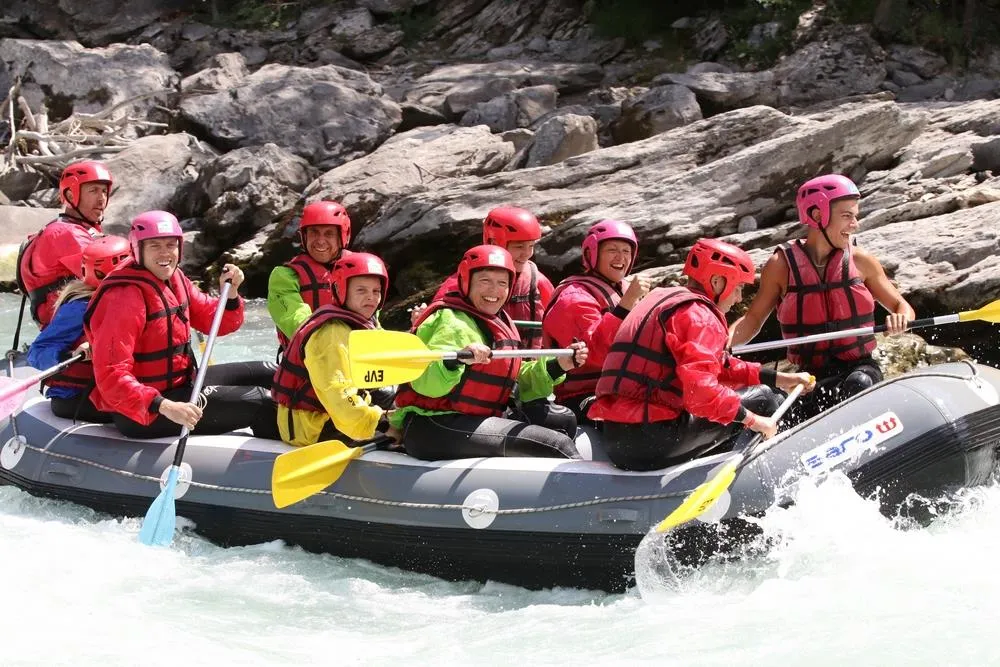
[657, 110]
[411, 162]
[327, 115]
[153, 173]
[561, 138]
[68, 78]
[240, 193]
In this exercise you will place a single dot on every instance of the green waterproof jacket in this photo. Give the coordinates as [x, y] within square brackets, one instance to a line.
[449, 329]
[284, 300]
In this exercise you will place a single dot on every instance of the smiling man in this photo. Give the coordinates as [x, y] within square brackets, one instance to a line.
[52, 258]
[302, 285]
[826, 283]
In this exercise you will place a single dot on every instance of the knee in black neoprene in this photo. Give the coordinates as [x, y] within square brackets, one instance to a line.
[856, 381]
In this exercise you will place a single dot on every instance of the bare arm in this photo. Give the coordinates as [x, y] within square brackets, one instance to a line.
[773, 283]
[878, 283]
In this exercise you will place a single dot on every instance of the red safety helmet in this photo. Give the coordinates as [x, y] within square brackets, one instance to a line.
[821, 192]
[710, 257]
[326, 213]
[353, 265]
[101, 256]
[484, 257]
[607, 230]
[78, 173]
[510, 223]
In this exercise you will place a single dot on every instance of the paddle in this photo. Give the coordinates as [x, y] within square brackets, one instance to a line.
[988, 313]
[380, 358]
[306, 471]
[706, 494]
[527, 324]
[12, 391]
[161, 517]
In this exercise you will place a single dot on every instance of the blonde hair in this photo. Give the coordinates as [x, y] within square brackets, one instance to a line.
[76, 289]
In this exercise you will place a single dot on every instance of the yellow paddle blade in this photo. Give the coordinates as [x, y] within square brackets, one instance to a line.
[380, 358]
[306, 471]
[988, 313]
[700, 499]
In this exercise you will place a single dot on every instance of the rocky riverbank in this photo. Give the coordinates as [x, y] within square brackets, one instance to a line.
[509, 101]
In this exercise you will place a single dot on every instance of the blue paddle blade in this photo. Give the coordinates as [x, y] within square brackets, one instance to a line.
[161, 518]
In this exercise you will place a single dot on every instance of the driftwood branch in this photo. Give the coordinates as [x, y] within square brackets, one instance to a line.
[51, 146]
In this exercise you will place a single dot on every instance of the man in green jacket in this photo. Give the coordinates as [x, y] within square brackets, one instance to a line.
[458, 408]
[302, 285]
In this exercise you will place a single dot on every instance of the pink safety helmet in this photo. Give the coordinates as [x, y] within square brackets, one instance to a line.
[510, 223]
[353, 265]
[710, 257]
[153, 225]
[821, 192]
[607, 230]
[484, 257]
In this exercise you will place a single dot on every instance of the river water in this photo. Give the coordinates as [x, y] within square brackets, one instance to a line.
[843, 586]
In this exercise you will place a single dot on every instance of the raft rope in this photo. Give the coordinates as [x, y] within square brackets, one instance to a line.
[430, 506]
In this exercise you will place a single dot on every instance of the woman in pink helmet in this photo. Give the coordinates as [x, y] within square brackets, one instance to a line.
[139, 326]
[591, 306]
[826, 283]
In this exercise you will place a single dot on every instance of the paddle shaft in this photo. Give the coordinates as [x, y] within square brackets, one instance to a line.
[28, 382]
[12, 353]
[847, 333]
[199, 379]
[527, 324]
[510, 354]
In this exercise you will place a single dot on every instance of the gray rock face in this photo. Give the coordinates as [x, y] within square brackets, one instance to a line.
[561, 138]
[520, 108]
[925, 64]
[226, 71]
[454, 89]
[242, 192]
[846, 61]
[693, 181]
[67, 78]
[152, 174]
[657, 110]
[327, 115]
[952, 260]
[723, 92]
[415, 161]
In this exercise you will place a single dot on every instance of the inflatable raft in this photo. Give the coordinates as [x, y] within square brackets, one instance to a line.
[530, 522]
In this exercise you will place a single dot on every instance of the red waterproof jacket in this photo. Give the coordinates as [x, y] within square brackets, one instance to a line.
[50, 259]
[694, 334]
[140, 330]
[583, 308]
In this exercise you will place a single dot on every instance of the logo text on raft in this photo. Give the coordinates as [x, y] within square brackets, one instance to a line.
[853, 443]
[374, 375]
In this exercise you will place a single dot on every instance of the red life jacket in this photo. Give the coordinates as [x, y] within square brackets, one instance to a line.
[581, 381]
[484, 388]
[639, 365]
[526, 304]
[41, 278]
[315, 286]
[816, 305]
[162, 353]
[291, 386]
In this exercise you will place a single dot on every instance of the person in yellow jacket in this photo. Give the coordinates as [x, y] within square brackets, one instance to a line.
[312, 387]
